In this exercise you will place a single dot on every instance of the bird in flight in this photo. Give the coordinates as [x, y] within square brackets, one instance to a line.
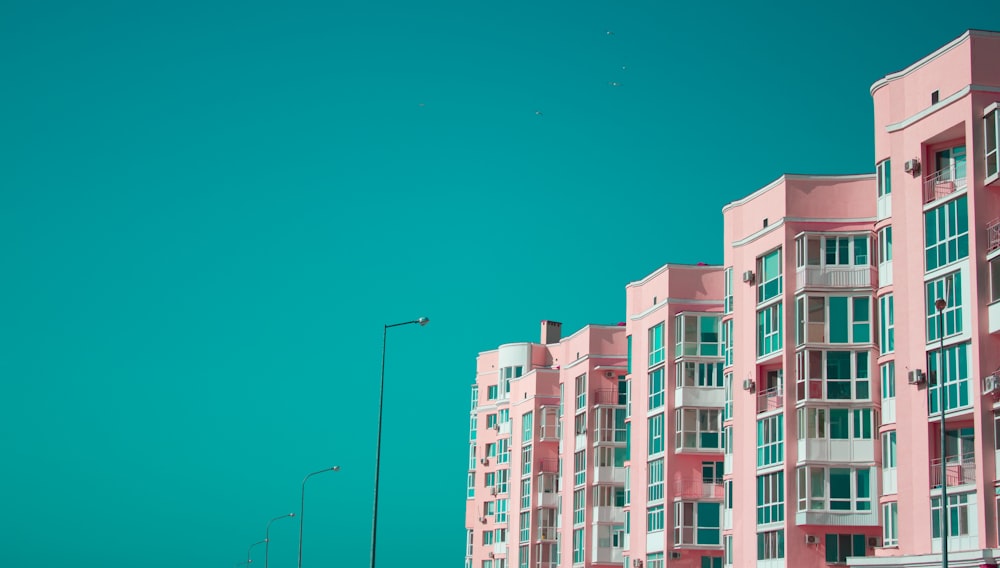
[610, 33]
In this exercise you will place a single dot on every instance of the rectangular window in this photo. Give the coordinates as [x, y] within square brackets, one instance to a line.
[833, 319]
[888, 373]
[950, 289]
[771, 545]
[946, 233]
[502, 481]
[697, 523]
[524, 561]
[654, 518]
[578, 546]
[882, 174]
[771, 440]
[727, 343]
[834, 489]
[769, 284]
[503, 450]
[833, 375]
[956, 378]
[698, 374]
[526, 460]
[654, 560]
[959, 515]
[470, 491]
[890, 525]
[579, 507]
[885, 245]
[526, 493]
[835, 423]
[491, 420]
[655, 435]
[654, 491]
[991, 130]
[581, 392]
[580, 467]
[527, 427]
[696, 335]
[491, 392]
[698, 429]
[475, 397]
[656, 388]
[769, 330]
[727, 409]
[840, 546]
[473, 423]
[501, 511]
[887, 324]
[655, 345]
[771, 498]
[727, 303]
[628, 342]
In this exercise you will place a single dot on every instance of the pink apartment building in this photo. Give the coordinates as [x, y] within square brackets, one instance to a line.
[784, 408]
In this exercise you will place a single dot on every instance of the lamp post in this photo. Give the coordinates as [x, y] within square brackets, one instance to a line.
[302, 506]
[378, 443]
[940, 304]
[267, 536]
[249, 560]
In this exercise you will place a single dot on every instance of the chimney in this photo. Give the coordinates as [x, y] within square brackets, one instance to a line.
[551, 332]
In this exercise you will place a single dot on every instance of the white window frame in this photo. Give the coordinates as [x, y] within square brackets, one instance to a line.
[656, 342]
[859, 378]
[706, 422]
[654, 486]
[948, 287]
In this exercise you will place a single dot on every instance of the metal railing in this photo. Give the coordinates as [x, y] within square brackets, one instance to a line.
[550, 465]
[959, 470]
[606, 397]
[993, 235]
[770, 399]
[942, 183]
[698, 488]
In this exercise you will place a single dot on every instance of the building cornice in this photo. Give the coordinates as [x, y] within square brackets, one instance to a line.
[795, 177]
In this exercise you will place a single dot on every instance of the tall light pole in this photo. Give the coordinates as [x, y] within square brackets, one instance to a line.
[378, 444]
[249, 560]
[302, 506]
[941, 304]
[267, 536]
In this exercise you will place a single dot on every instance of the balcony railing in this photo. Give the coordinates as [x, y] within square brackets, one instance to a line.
[834, 276]
[941, 184]
[607, 397]
[959, 470]
[698, 488]
[993, 235]
[550, 465]
[770, 399]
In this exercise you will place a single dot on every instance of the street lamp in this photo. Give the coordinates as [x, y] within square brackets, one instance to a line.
[267, 536]
[378, 444]
[302, 506]
[940, 304]
[249, 560]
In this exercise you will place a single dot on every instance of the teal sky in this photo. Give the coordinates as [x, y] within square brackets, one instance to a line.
[208, 211]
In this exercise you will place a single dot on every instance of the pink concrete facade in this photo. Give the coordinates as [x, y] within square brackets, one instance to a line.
[785, 407]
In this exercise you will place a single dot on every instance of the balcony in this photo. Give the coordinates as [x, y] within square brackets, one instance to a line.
[499, 548]
[884, 207]
[834, 276]
[959, 470]
[888, 411]
[609, 475]
[606, 555]
[836, 451]
[699, 397]
[504, 429]
[770, 399]
[608, 397]
[696, 488]
[614, 515]
[885, 273]
[838, 518]
[943, 183]
[993, 235]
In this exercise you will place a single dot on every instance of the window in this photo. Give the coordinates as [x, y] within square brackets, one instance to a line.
[581, 392]
[833, 375]
[770, 498]
[503, 450]
[831, 250]
[834, 489]
[578, 546]
[654, 560]
[473, 424]
[949, 288]
[883, 175]
[654, 491]
[580, 423]
[833, 319]
[491, 420]
[711, 562]
[727, 342]
[727, 301]
[501, 511]
[656, 344]
[699, 374]
[506, 374]
[885, 245]
[656, 389]
[491, 392]
[835, 423]
[628, 368]
[696, 335]
[769, 330]
[887, 324]
[579, 507]
[475, 397]
[727, 409]
[991, 129]
[770, 545]
[888, 373]
[654, 518]
[697, 523]
[655, 435]
[890, 524]
[770, 440]
[840, 546]
[524, 561]
[960, 510]
[470, 487]
[769, 276]
[608, 496]
[527, 427]
[698, 429]
[487, 537]
[580, 467]
[727, 546]
[526, 459]
[956, 378]
[946, 233]
[526, 493]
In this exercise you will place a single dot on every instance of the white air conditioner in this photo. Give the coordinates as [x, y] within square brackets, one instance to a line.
[493, 490]
[748, 276]
[990, 384]
[872, 541]
[748, 385]
[484, 461]
[916, 377]
[675, 555]
[912, 166]
[812, 539]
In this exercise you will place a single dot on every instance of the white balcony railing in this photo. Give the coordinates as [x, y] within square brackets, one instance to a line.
[942, 183]
[834, 276]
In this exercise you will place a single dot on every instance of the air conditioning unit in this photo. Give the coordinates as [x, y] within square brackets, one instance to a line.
[636, 563]
[482, 520]
[912, 166]
[484, 461]
[916, 377]
[748, 276]
[748, 385]
[675, 555]
[493, 490]
[812, 539]
[872, 541]
[609, 374]
[990, 384]
[492, 555]
[496, 426]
